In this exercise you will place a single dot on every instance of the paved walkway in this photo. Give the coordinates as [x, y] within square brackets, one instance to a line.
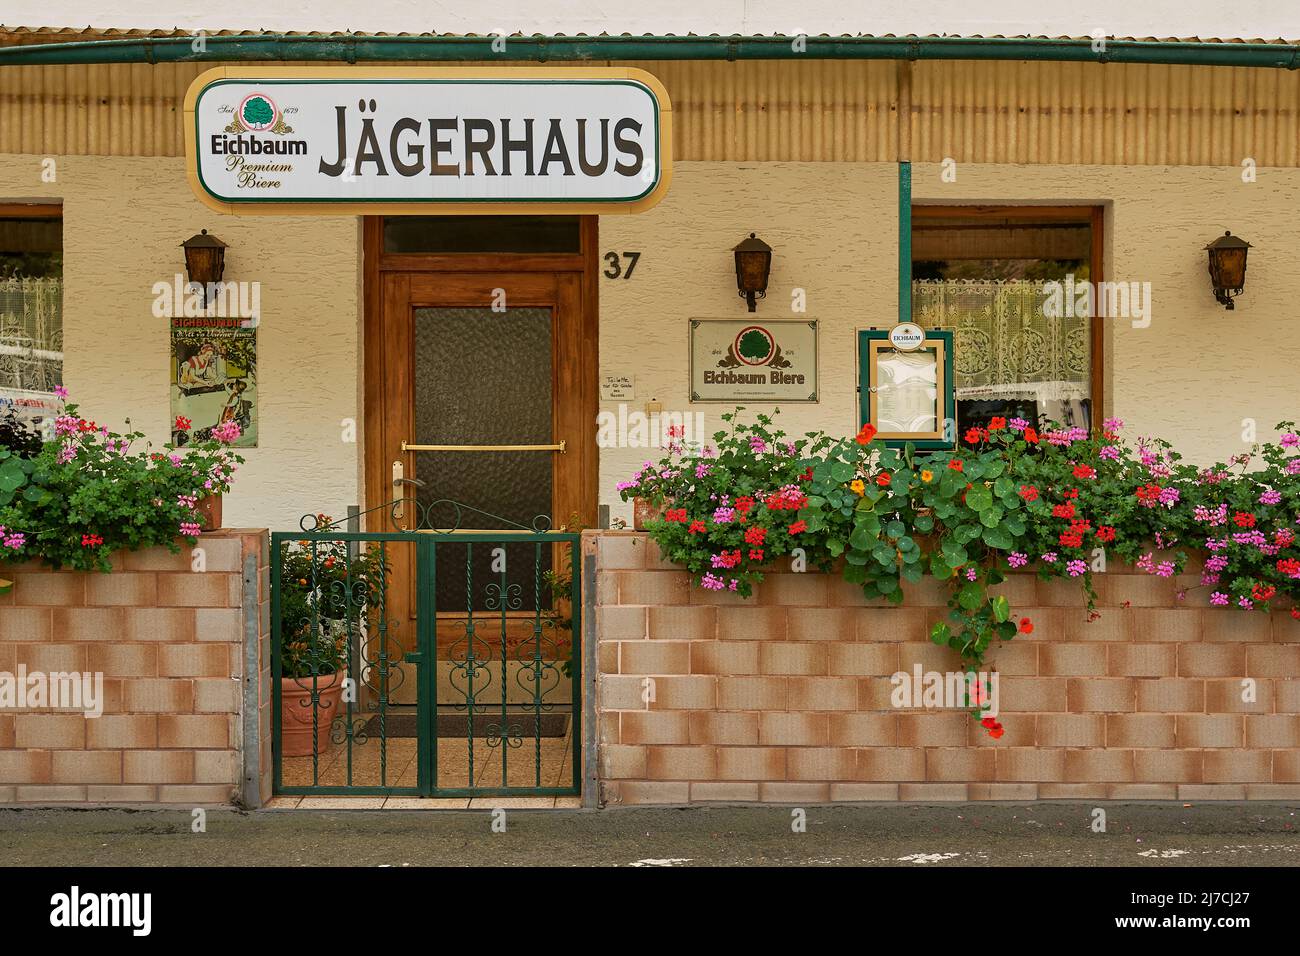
[890, 835]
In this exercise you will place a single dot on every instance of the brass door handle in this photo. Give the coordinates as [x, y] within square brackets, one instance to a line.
[559, 447]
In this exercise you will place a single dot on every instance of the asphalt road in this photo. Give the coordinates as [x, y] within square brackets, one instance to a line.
[1049, 834]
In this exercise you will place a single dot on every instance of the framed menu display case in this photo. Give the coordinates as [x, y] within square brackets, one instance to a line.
[905, 386]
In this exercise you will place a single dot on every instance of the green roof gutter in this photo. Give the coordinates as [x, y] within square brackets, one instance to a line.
[542, 49]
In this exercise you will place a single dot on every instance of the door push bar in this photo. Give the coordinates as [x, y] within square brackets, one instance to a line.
[560, 447]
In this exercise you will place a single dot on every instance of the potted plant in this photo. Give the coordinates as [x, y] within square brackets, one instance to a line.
[325, 600]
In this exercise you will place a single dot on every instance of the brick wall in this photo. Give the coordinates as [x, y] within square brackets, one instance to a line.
[785, 696]
[171, 643]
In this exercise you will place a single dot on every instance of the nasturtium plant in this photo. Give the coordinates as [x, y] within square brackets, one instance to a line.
[1011, 496]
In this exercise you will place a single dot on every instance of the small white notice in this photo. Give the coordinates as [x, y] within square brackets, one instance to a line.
[617, 388]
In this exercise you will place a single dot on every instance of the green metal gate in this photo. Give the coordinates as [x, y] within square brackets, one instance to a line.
[483, 699]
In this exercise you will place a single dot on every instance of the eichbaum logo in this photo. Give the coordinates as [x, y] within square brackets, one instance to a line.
[75, 908]
[754, 346]
[257, 113]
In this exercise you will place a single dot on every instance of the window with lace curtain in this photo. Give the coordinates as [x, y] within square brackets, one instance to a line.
[31, 312]
[984, 275]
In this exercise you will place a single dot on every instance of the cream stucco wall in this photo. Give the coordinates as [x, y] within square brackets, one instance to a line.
[1192, 376]
[124, 220]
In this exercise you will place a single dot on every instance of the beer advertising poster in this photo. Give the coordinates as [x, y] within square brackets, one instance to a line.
[213, 378]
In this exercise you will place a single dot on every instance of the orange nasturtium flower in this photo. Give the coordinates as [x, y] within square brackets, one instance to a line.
[927, 475]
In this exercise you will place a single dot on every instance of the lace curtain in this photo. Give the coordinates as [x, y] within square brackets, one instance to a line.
[1004, 346]
[31, 334]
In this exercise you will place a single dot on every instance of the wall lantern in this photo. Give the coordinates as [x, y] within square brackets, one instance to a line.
[753, 263]
[205, 258]
[1228, 267]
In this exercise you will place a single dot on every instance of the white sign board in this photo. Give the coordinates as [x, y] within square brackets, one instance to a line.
[404, 140]
[741, 360]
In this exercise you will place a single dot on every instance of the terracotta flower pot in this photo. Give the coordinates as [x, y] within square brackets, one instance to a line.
[643, 511]
[296, 713]
[209, 509]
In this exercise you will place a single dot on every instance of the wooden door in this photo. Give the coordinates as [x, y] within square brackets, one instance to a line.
[473, 352]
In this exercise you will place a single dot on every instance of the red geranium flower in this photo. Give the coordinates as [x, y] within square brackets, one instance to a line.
[1289, 566]
[696, 527]
[91, 541]
[182, 423]
[1262, 593]
[755, 535]
[807, 475]
[1105, 533]
[1031, 436]
[1063, 511]
[756, 554]
[1071, 539]
[1084, 471]
[675, 514]
[1070, 493]
[799, 527]
[1244, 519]
[1149, 493]
[1029, 492]
[744, 504]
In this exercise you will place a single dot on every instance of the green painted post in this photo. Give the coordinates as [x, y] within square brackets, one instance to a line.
[904, 242]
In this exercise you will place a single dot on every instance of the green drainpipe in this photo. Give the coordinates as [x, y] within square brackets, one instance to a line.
[905, 242]
[541, 49]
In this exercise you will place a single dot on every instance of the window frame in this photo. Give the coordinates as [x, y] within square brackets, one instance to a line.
[1091, 215]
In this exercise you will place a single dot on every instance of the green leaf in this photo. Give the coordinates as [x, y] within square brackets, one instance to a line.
[979, 498]
[835, 546]
[1001, 608]
[913, 573]
[842, 472]
[991, 517]
[971, 596]
[998, 538]
[940, 634]
[924, 523]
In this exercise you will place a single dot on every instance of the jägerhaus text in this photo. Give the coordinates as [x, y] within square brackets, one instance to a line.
[469, 141]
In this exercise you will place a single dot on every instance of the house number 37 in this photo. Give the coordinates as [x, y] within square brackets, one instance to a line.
[615, 261]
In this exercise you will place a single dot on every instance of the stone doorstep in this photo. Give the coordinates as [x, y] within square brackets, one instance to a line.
[296, 802]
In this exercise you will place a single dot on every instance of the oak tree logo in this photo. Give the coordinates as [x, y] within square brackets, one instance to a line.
[754, 346]
[257, 113]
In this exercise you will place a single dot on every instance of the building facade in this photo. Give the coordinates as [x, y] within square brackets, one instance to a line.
[955, 189]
